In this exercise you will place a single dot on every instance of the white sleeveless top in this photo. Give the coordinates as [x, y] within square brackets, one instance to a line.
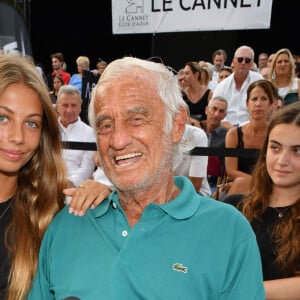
[289, 89]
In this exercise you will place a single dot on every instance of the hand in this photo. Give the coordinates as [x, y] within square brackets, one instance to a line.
[88, 195]
[224, 187]
[223, 190]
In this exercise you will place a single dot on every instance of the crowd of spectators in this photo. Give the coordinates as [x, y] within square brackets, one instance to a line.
[244, 104]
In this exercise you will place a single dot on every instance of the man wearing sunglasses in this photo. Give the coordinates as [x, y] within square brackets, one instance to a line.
[234, 87]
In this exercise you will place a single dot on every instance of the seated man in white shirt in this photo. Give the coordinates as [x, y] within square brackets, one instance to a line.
[80, 163]
[193, 166]
[234, 87]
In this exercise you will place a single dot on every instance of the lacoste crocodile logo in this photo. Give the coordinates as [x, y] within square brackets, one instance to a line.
[180, 268]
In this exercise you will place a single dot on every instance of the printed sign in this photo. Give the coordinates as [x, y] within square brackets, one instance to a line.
[151, 16]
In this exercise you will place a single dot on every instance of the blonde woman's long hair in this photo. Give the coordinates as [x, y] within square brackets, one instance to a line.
[40, 182]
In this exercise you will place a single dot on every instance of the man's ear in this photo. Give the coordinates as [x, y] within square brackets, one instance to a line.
[179, 123]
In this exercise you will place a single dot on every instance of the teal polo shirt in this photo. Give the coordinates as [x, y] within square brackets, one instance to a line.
[190, 248]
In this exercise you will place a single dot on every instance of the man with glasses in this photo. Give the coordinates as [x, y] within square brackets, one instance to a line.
[234, 87]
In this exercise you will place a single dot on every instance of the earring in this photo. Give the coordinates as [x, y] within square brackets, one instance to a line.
[273, 75]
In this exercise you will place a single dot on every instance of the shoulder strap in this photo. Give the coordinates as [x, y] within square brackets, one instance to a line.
[240, 137]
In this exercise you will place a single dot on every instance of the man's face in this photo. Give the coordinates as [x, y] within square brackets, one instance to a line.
[216, 112]
[56, 64]
[242, 62]
[262, 61]
[134, 149]
[219, 61]
[68, 108]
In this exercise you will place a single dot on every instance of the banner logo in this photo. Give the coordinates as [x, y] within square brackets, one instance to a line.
[132, 16]
[135, 6]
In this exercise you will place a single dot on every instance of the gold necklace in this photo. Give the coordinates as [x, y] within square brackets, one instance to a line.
[6, 209]
[281, 212]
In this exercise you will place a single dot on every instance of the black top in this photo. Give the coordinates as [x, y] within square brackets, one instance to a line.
[245, 164]
[266, 243]
[53, 98]
[198, 108]
[4, 260]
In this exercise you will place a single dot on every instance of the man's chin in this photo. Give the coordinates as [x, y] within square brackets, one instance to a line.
[127, 183]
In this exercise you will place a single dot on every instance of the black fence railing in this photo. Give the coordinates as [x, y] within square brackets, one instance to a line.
[202, 151]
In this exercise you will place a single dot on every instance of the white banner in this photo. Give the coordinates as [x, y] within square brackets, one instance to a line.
[151, 16]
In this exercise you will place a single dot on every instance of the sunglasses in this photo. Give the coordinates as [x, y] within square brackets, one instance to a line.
[247, 59]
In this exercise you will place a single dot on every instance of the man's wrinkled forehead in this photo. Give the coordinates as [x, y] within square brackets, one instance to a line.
[244, 53]
[131, 85]
[123, 102]
[125, 93]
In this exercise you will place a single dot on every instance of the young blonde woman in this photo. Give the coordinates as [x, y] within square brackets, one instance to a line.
[282, 75]
[32, 173]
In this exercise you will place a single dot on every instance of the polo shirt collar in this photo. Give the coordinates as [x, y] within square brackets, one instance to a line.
[183, 206]
[215, 131]
[186, 203]
[103, 207]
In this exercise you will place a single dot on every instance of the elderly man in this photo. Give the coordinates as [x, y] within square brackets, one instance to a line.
[154, 237]
[234, 87]
[80, 163]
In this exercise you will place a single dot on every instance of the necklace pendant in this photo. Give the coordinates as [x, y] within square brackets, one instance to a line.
[281, 211]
